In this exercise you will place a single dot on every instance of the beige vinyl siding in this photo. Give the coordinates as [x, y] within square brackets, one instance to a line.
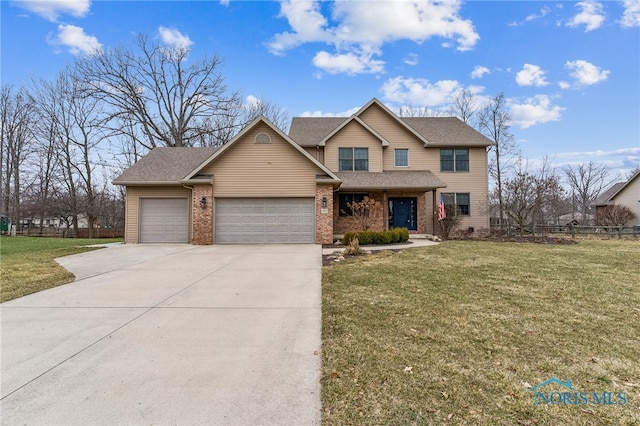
[398, 137]
[134, 193]
[354, 135]
[630, 197]
[475, 182]
[276, 169]
[316, 152]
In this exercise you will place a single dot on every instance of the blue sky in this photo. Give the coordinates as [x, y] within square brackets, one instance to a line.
[570, 70]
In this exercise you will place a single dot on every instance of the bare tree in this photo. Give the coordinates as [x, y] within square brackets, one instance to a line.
[17, 114]
[170, 102]
[411, 111]
[464, 105]
[493, 121]
[272, 112]
[73, 122]
[587, 180]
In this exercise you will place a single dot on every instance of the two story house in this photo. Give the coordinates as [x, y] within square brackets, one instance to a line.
[265, 186]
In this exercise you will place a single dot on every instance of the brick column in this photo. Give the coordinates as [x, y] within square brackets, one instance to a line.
[202, 218]
[324, 215]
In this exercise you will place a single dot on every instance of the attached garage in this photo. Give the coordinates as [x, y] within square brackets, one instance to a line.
[164, 220]
[264, 220]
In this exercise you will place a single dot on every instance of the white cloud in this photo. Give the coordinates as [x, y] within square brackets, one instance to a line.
[224, 2]
[51, 9]
[349, 63]
[479, 72]
[531, 75]
[631, 16]
[543, 12]
[174, 38]
[76, 40]
[591, 16]
[586, 73]
[347, 113]
[564, 85]
[536, 110]
[600, 153]
[411, 59]
[419, 92]
[365, 26]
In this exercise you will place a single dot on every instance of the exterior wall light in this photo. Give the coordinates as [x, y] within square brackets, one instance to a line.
[203, 203]
[324, 202]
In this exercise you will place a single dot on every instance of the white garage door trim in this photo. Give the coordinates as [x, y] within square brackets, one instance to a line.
[265, 221]
[164, 220]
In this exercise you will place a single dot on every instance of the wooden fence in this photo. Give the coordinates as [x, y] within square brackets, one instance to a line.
[576, 230]
[70, 233]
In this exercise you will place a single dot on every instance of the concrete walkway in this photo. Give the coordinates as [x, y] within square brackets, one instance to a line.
[169, 335]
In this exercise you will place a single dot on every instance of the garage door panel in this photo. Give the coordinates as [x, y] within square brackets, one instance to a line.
[164, 220]
[265, 220]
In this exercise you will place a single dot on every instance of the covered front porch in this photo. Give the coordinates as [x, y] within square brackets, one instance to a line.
[402, 199]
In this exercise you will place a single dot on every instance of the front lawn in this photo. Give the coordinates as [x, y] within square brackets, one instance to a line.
[459, 333]
[27, 264]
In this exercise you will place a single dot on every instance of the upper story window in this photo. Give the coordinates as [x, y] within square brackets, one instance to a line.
[353, 159]
[454, 160]
[401, 157]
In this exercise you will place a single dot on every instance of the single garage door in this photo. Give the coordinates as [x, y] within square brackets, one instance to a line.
[265, 220]
[164, 220]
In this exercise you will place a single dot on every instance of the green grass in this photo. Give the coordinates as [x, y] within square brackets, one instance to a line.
[27, 264]
[457, 333]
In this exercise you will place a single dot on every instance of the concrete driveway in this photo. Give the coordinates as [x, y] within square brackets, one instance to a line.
[169, 335]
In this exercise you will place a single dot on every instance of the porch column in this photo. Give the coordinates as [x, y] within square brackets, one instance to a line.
[434, 214]
[385, 210]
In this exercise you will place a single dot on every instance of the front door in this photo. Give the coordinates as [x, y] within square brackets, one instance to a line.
[403, 213]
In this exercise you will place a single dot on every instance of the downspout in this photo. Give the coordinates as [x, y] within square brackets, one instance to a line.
[190, 211]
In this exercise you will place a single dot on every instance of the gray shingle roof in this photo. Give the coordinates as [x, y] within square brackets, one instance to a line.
[422, 180]
[165, 165]
[605, 198]
[439, 131]
[447, 131]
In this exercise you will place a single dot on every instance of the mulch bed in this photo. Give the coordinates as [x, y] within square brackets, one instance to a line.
[330, 259]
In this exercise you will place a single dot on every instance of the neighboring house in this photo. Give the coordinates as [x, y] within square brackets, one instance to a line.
[265, 186]
[622, 193]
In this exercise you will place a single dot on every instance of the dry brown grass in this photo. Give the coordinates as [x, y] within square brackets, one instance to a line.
[456, 333]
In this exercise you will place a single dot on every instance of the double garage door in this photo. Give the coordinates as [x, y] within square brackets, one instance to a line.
[237, 220]
[265, 220]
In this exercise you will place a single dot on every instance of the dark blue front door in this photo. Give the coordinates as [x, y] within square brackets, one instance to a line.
[403, 213]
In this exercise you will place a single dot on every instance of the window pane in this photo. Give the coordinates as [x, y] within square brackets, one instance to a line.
[402, 158]
[345, 156]
[361, 162]
[463, 202]
[462, 160]
[446, 160]
[345, 199]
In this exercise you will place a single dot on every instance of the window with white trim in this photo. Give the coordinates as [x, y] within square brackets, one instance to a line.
[353, 159]
[401, 157]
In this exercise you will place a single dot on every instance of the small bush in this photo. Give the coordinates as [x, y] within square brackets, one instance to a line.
[353, 248]
[392, 236]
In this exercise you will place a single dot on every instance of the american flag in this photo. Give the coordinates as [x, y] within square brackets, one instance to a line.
[442, 213]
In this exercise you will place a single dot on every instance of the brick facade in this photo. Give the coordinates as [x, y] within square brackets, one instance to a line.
[324, 216]
[344, 224]
[202, 220]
